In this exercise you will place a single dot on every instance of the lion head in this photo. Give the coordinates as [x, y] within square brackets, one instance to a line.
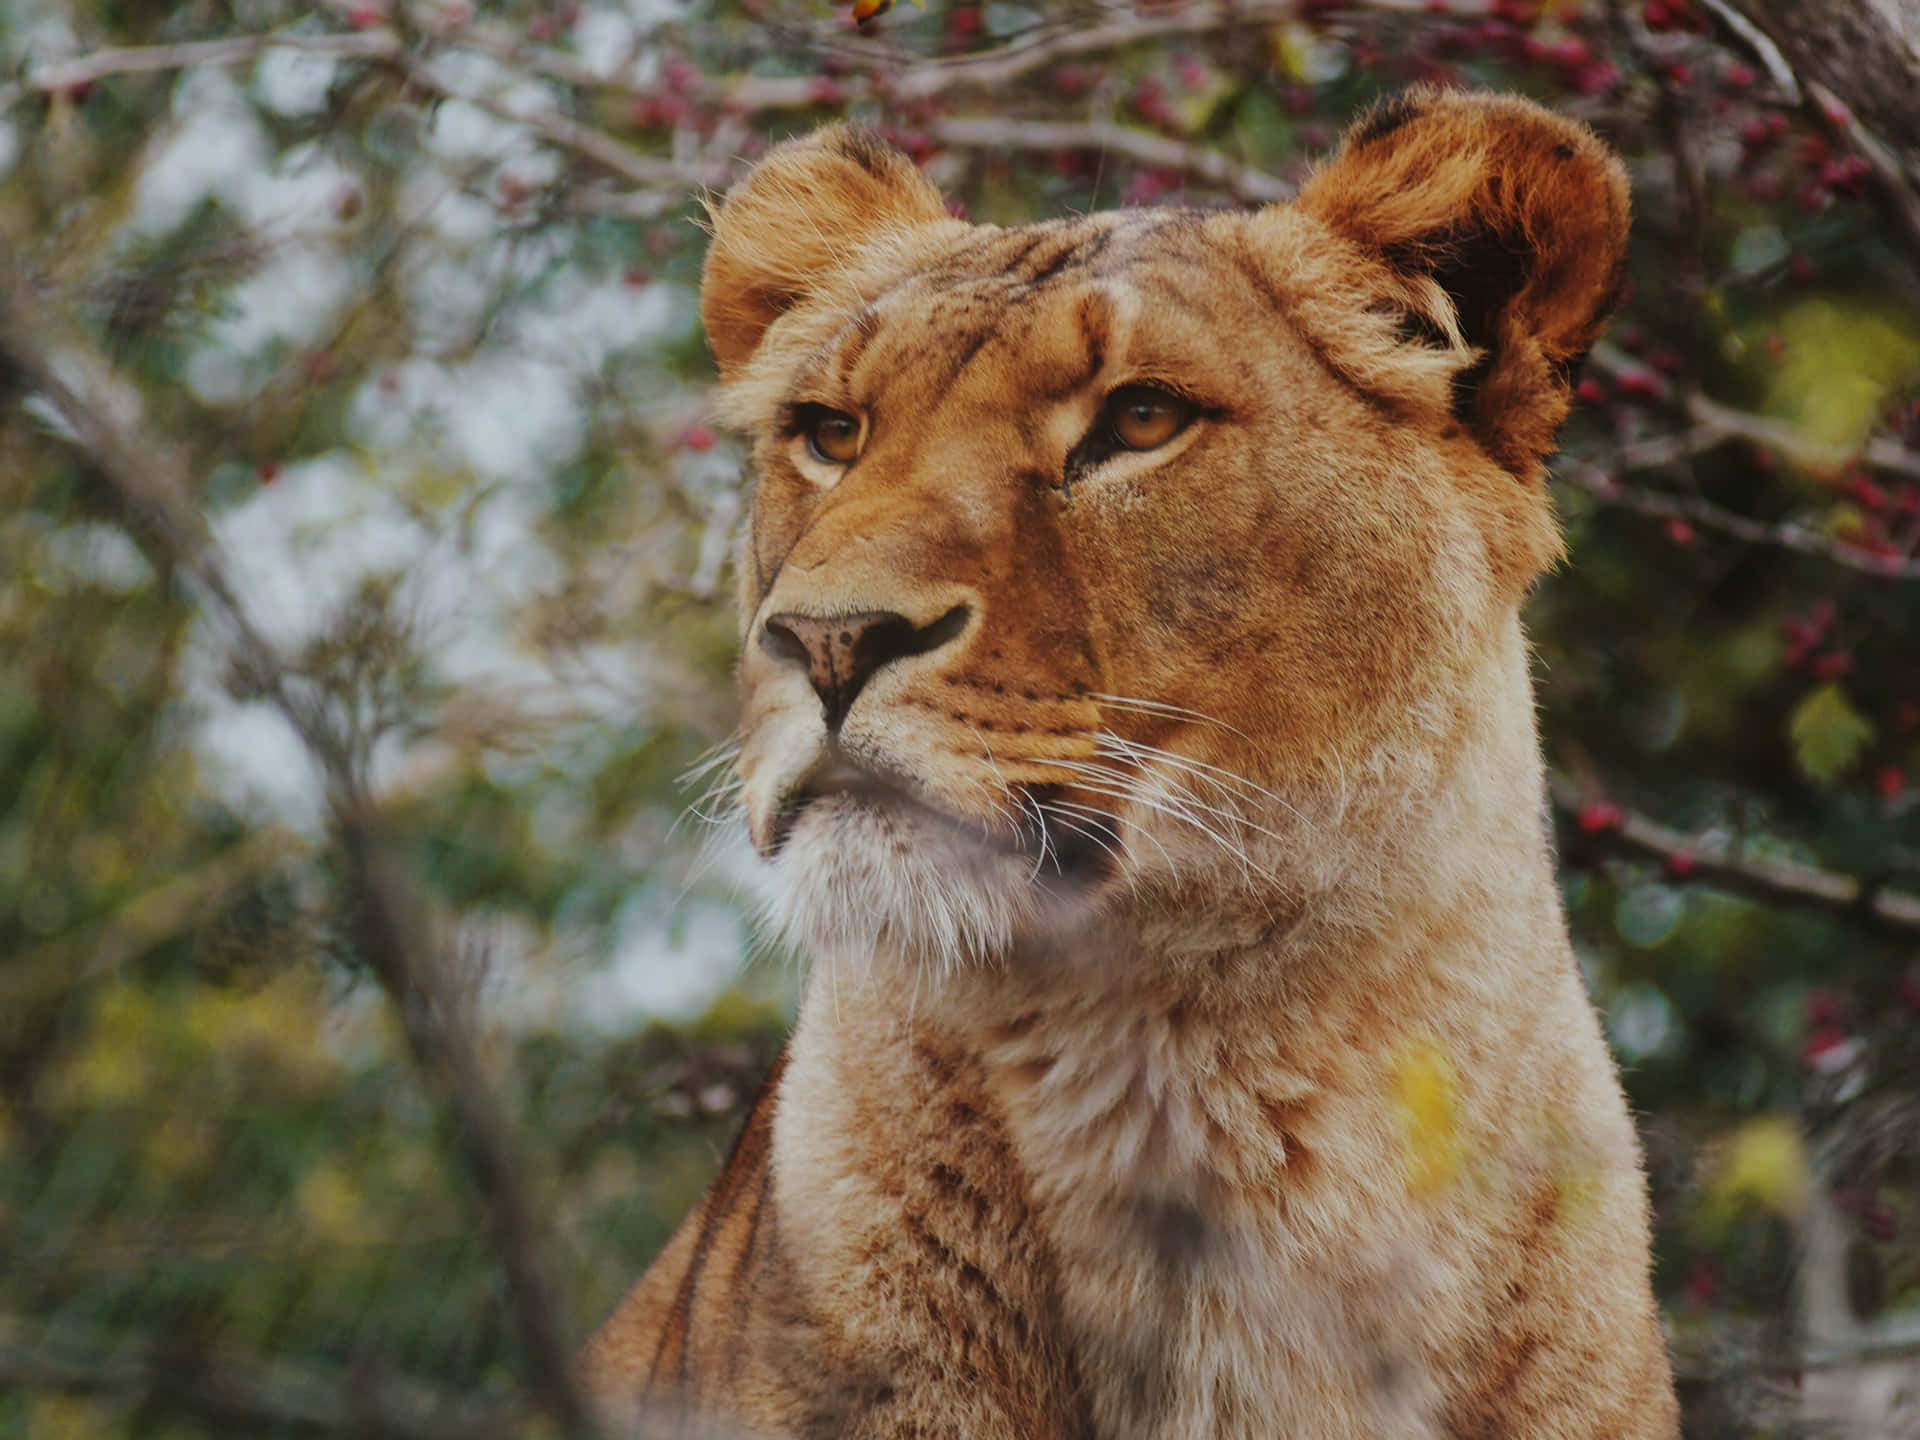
[1154, 561]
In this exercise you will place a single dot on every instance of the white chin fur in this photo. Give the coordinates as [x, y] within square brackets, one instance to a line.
[859, 881]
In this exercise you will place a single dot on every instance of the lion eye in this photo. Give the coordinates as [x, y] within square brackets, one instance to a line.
[833, 436]
[1142, 418]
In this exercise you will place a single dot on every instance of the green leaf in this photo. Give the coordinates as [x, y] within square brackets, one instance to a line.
[1828, 734]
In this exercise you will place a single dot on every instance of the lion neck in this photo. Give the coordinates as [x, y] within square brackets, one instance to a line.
[1406, 905]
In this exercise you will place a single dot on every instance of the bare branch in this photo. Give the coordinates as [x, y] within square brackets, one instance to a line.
[1716, 858]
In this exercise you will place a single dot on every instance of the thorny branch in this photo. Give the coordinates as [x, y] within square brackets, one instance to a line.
[391, 914]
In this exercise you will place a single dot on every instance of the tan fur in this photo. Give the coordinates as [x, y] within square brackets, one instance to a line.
[1193, 1046]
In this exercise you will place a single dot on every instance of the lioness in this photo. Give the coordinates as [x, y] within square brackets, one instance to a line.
[1139, 733]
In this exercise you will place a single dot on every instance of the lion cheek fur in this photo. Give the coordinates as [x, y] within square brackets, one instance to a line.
[1290, 1114]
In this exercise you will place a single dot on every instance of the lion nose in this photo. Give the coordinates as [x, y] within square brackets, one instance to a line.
[842, 652]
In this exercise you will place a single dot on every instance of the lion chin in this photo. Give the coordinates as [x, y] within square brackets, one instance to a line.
[864, 869]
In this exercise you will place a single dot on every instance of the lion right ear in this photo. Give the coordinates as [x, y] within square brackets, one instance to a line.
[789, 227]
[1502, 227]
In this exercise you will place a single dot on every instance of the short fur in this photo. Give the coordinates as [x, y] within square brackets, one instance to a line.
[1193, 1047]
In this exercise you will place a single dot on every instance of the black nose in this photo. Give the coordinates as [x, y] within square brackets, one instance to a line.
[841, 652]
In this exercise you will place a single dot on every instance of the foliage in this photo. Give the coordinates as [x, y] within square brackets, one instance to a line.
[403, 297]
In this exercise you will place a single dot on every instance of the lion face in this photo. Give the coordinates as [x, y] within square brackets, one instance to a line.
[1108, 560]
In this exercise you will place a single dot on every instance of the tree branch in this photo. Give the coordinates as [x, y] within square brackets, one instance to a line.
[61, 76]
[1608, 490]
[391, 913]
[1866, 54]
[1714, 858]
[980, 132]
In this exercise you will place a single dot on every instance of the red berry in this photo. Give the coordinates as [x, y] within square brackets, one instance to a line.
[1681, 864]
[1890, 781]
[1907, 987]
[1740, 77]
[1703, 1284]
[1597, 78]
[637, 277]
[1821, 1044]
[1802, 268]
[697, 437]
[364, 17]
[1590, 391]
[1833, 665]
[513, 189]
[1072, 80]
[1597, 817]
[1822, 1007]
[1680, 530]
[1869, 495]
[267, 473]
[1878, 1220]
[1640, 385]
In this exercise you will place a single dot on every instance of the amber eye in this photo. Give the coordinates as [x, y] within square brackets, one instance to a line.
[833, 436]
[1143, 417]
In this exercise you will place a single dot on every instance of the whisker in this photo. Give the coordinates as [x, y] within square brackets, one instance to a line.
[1185, 813]
[1219, 812]
[1223, 780]
[1164, 709]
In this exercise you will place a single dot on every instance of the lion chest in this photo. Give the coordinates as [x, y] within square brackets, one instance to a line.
[1235, 1241]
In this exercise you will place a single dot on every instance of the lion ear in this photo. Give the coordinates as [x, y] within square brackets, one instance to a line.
[787, 227]
[1498, 224]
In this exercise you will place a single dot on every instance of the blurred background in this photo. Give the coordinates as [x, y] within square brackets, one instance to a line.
[375, 993]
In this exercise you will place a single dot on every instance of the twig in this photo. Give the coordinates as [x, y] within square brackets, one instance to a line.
[148, 479]
[58, 966]
[979, 132]
[569, 134]
[1762, 46]
[1888, 173]
[61, 76]
[1714, 859]
[1609, 491]
[239, 1393]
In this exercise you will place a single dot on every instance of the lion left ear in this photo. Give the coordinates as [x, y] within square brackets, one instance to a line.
[787, 229]
[1497, 223]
